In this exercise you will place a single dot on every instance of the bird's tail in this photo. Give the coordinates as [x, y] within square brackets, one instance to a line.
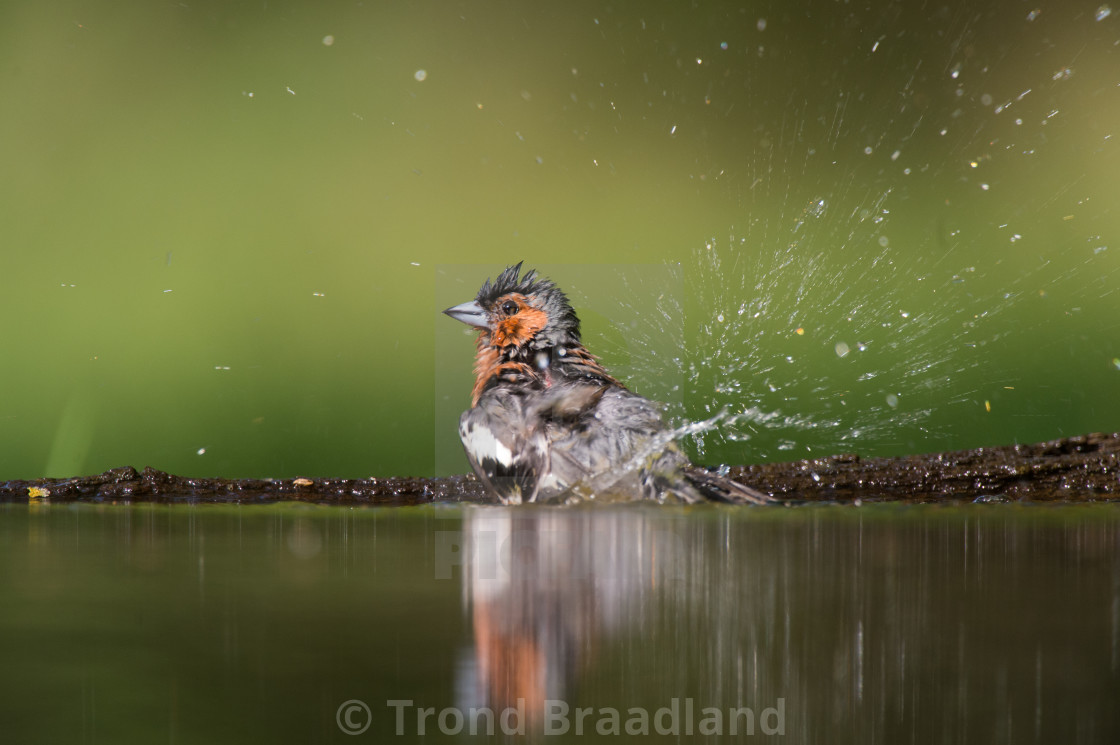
[716, 488]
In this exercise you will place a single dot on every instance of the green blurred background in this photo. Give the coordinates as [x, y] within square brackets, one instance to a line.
[227, 229]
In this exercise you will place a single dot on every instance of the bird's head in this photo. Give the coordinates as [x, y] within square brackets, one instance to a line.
[517, 312]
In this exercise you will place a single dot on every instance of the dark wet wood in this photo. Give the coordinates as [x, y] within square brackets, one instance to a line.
[129, 485]
[1075, 469]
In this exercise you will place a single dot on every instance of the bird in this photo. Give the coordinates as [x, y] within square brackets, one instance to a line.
[548, 423]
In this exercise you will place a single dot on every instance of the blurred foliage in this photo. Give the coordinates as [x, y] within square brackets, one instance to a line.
[228, 228]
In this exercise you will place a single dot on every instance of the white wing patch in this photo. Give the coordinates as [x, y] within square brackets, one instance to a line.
[483, 446]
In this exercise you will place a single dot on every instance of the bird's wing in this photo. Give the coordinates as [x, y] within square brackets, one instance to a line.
[562, 419]
[505, 453]
[630, 448]
[603, 441]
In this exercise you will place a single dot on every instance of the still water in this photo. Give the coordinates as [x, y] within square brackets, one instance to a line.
[882, 623]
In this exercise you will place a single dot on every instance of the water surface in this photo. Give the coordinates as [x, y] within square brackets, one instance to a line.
[978, 623]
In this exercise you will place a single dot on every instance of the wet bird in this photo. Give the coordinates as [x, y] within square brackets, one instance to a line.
[548, 422]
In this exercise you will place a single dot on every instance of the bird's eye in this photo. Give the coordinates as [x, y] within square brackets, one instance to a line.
[509, 307]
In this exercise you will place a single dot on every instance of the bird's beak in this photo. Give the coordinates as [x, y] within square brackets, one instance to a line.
[470, 313]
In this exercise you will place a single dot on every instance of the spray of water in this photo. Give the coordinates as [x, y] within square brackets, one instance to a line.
[780, 352]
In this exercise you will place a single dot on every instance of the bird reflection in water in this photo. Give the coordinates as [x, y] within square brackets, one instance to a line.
[544, 588]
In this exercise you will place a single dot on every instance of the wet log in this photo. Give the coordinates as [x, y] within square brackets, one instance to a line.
[1073, 469]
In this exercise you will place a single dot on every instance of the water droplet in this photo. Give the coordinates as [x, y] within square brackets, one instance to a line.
[761, 25]
[723, 45]
[1103, 12]
[883, 241]
[328, 40]
[892, 400]
[841, 349]
[1034, 14]
[420, 75]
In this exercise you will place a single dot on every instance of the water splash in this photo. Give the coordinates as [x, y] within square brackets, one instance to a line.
[770, 352]
[831, 353]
